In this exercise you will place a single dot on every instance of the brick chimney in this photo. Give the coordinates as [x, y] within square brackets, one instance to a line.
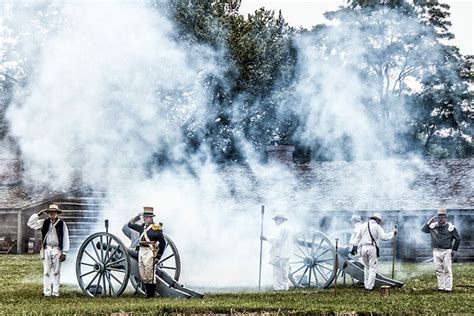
[281, 153]
[10, 171]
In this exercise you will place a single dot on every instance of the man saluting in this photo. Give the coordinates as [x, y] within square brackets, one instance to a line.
[151, 247]
[54, 247]
[445, 242]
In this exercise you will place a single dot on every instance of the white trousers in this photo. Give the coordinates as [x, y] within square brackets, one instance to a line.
[281, 268]
[443, 266]
[52, 271]
[146, 264]
[368, 254]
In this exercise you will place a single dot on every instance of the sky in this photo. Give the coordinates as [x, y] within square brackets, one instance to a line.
[307, 13]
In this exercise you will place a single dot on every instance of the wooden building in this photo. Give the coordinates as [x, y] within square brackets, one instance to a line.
[408, 191]
[18, 201]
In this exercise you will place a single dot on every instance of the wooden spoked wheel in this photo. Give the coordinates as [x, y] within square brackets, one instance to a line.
[313, 261]
[102, 265]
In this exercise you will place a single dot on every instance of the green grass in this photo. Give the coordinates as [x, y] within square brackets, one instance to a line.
[21, 293]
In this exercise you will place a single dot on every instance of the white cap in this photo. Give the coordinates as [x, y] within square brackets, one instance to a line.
[356, 218]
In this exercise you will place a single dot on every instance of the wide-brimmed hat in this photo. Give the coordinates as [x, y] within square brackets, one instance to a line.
[148, 211]
[377, 216]
[355, 218]
[280, 216]
[53, 208]
[442, 212]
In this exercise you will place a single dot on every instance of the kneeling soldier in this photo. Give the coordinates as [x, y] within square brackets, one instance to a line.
[443, 234]
[152, 245]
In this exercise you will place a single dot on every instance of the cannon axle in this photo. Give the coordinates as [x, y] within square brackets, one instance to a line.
[99, 267]
[313, 260]
[104, 265]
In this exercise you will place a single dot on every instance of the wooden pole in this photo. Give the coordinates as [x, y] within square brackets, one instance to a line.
[19, 238]
[394, 250]
[337, 266]
[261, 248]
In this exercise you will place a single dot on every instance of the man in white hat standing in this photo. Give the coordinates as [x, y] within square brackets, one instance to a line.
[445, 242]
[356, 222]
[282, 246]
[54, 246]
[151, 247]
[367, 239]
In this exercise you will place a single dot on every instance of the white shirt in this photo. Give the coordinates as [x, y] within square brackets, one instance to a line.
[51, 236]
[281, 241]
[355, 231]
[363, 236]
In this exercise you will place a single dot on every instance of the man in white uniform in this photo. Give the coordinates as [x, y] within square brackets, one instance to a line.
[445, 242]
[356, 222]
[282, 246]
[367, 239]
[54, 246]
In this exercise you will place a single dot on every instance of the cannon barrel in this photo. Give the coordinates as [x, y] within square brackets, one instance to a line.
[104, 246]
[104, 265]
[315, 262]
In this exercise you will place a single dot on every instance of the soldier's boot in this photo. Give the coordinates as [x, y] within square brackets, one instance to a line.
[153, 290]
[150, 290]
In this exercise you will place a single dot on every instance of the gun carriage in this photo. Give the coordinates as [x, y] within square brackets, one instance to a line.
[315, 262]
[104, 265]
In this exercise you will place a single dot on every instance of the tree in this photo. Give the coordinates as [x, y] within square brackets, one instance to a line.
[23, 28]
[443, 124]
[394, 49]
[256, 55]
[444, 108]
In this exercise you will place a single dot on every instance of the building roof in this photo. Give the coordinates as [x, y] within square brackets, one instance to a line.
[14, 197]
[322, 186]
[14, 194]
[389, 184]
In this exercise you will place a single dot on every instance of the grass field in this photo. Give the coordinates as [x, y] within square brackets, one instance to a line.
[21, 293]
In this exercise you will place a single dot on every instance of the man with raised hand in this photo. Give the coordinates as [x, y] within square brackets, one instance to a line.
[54, 246]
[151, 247]
[367, 238]
[445, 242]
[356, 222]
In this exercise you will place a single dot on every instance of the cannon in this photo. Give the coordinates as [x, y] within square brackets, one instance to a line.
[104, 265]
[314, 264]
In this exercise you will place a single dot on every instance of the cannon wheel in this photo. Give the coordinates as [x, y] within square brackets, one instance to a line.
[313, 261]
[102, 265]
[170, 263]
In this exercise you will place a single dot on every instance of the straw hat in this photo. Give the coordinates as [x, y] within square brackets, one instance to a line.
[148, 211]
[442, 212]
[378, 216]
[53, 208]
[355, 219]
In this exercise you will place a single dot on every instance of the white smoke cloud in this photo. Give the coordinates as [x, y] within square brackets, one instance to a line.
[105, 91]
[111, 87]
[108, 90]
[352, 79]
[349, 95]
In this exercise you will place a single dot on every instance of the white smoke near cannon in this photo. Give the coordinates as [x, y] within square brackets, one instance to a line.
[112, 82]
[109, 85]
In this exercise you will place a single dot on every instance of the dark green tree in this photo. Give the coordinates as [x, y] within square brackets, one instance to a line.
[406, 61]
[256, 57]
[444, 108]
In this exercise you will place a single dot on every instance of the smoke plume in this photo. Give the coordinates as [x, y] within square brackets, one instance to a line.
[111, 86]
